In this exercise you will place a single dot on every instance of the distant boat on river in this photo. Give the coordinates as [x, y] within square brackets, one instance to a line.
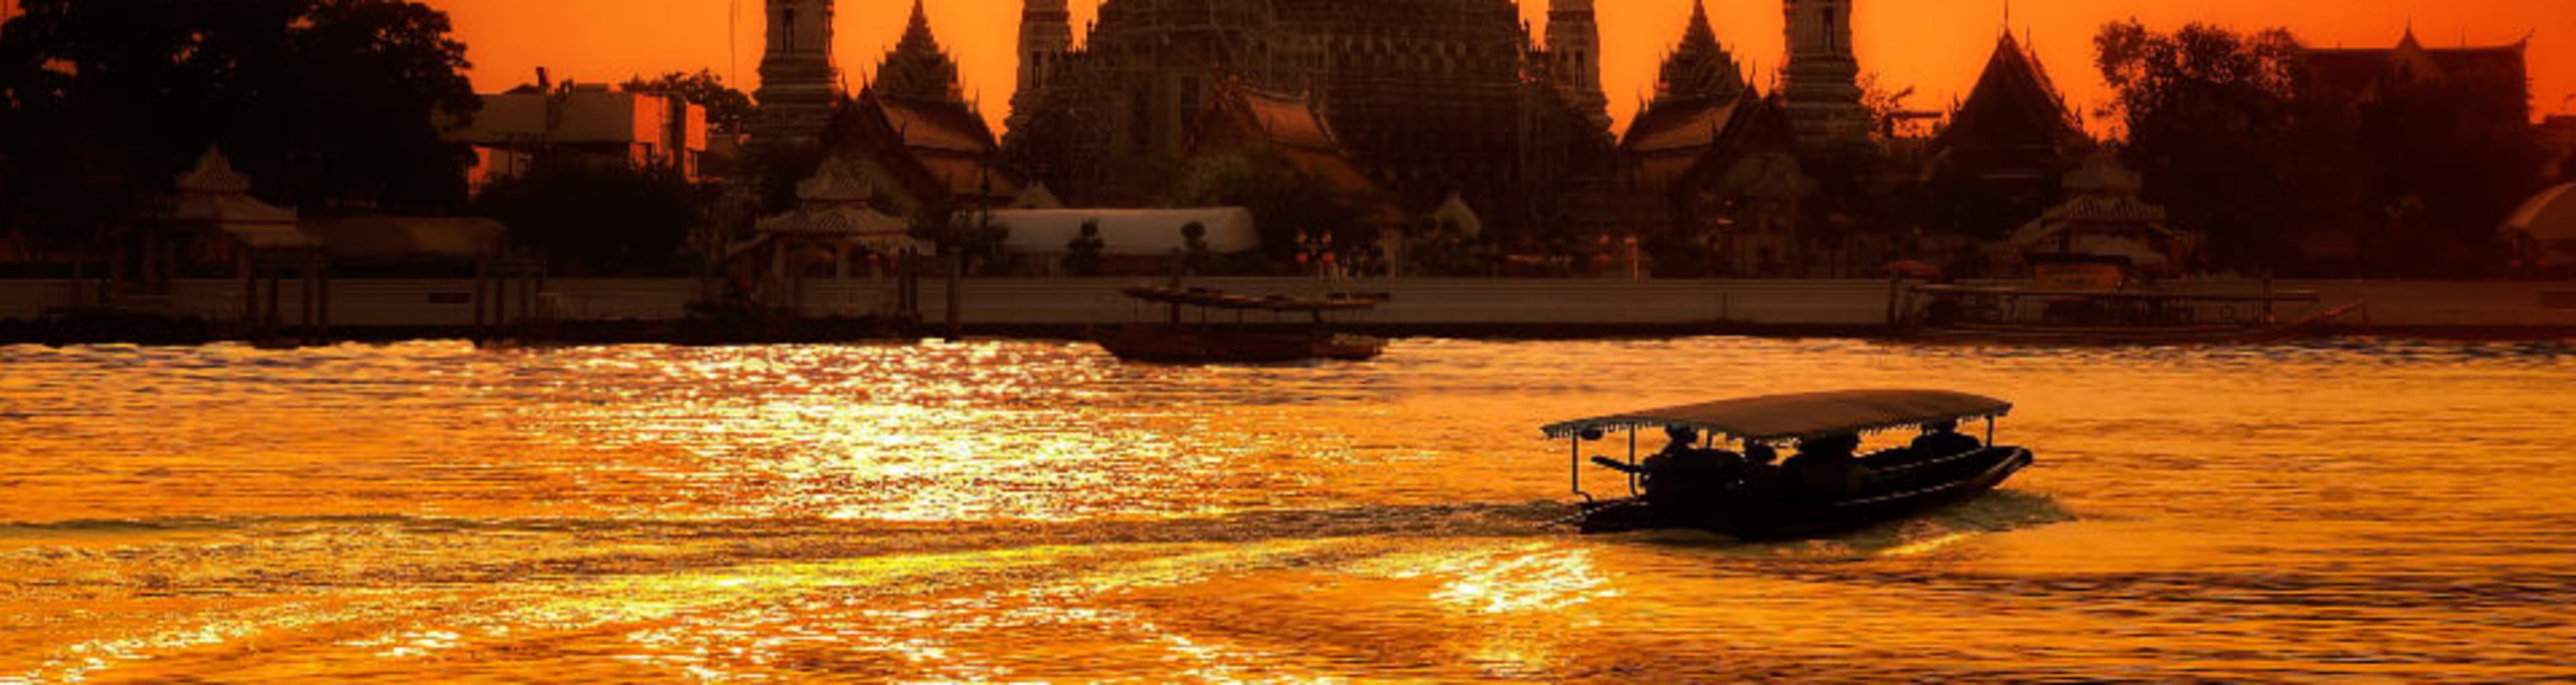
[1227, 329]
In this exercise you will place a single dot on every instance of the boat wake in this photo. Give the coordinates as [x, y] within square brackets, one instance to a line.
[2001, 511]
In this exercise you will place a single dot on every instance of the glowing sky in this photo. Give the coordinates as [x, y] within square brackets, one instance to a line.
[1934, 46]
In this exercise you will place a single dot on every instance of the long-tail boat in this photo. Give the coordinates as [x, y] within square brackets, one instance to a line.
[1751, 498]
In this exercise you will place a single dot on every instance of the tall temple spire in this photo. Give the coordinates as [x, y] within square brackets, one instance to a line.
[1046, 38]
[916, 34]
[1574, 56]
[1699, 27]
[1822, 83]
[798, 82]
[917, 68]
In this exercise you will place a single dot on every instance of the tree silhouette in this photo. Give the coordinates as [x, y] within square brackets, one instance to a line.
[1083, 254]
[596, 219]
[1284, 202]
[327, 104]
[2213, 127]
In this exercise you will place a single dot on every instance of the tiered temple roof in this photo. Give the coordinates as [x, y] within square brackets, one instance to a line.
[1700, 68]
[915, 109]
[917, 68]
[1700, 95]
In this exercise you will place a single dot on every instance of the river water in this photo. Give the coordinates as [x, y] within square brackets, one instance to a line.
[2348, 511]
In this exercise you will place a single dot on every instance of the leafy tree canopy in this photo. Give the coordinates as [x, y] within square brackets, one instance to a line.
[325, 103]
[591, 218]
[2412, 175]
[1284, 202]
[2212, 119]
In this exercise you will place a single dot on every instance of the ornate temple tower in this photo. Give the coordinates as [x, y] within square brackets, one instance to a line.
[918, 69]
[1046, 38]
[1574, 54]
[798, 83]
[1822, 81]
[1700, 68]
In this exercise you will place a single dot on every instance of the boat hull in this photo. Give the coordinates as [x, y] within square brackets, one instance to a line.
[1903, 490]
[1185, 346]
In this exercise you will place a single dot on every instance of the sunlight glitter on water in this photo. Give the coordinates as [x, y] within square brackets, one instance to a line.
[1038, 511]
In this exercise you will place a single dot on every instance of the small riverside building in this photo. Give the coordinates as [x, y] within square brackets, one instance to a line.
[835, 230]
[2103, 221]
[606, 127]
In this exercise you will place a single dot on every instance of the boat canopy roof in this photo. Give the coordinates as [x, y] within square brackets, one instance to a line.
[1214, 299]
[1807, 415]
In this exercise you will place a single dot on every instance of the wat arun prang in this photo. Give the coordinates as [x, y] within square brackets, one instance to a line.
[1431, 97]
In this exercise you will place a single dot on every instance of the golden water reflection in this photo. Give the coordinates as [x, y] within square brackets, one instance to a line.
[1036, 511]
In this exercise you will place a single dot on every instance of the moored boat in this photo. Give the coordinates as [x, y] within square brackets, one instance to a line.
[1228, 329]
[1756, 500]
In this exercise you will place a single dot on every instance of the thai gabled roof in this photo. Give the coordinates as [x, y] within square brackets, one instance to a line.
[1250, 118]
[861, 130]
[1678, 126]
[1801, 416]
[2013, 103]
[943, 126]
[941, 147]
[1670, 141]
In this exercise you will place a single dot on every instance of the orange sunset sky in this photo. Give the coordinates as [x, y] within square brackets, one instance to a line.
[1934, 46]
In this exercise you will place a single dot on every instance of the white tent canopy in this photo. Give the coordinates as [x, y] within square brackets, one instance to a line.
[1454, 211]
[1129, 232]
[2549, 219]
[2549, 216]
